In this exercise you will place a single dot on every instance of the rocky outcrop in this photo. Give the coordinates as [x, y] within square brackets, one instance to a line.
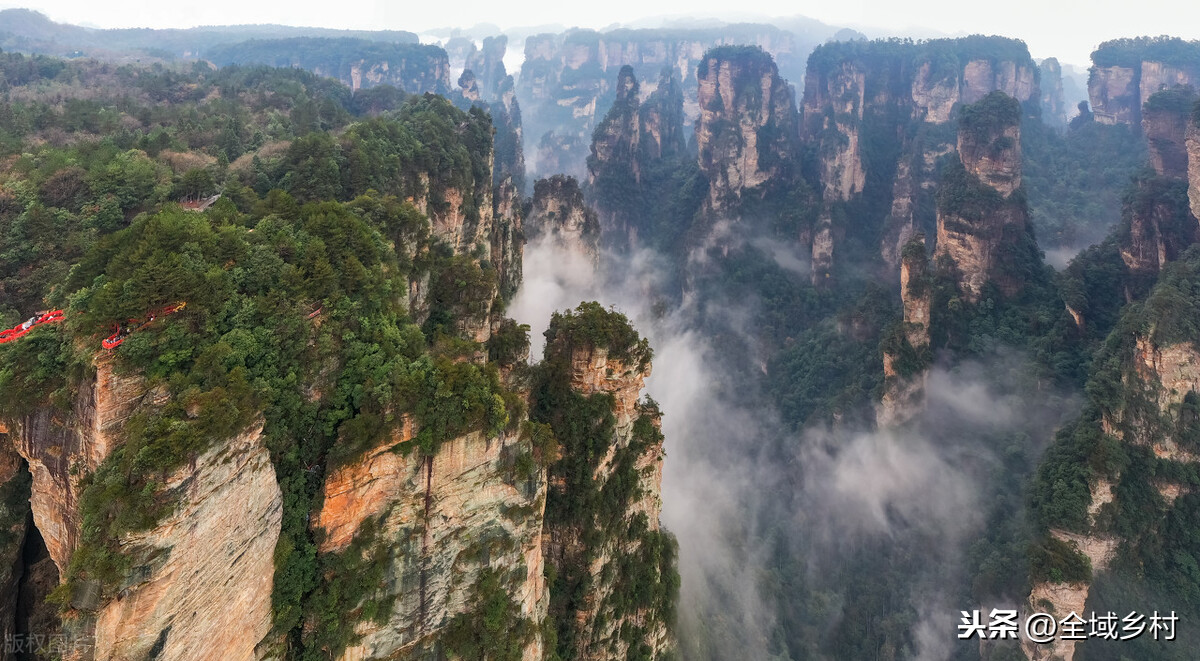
[616, 140]
[593, 546]
[860, 88]
[559, 214]
[992, 151]
[508, 238]
[221, 535]
[14, 516]
[487, 64]
[905, 353]
[61, 447]
[982, 226]
[446, 518]
[509, 143]
[662, 119]
[745, 132]
[1054, 106]
[1158, 227]
[567, 79]
[833, 111]
[1165, 119]
[1125, 73]
[634, 137]
[1193, 150]
[201, 582]
[1115, 95]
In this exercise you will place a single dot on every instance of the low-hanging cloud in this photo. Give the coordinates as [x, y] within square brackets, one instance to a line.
[737, 481]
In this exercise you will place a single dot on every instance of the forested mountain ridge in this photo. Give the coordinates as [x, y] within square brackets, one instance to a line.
[941, 347]
[296, 423]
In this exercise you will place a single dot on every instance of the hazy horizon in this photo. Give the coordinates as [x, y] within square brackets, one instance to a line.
[1050, 30]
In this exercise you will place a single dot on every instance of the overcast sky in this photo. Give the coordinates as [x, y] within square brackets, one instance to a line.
[1067, 29]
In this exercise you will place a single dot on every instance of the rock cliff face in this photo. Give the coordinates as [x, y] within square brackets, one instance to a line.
[1157, 378]
[508, 238]
[1054, 106]
[1159, 222]
[904, 355]
[14, 516]
[606, 505]
[1193, 150]
[747, 123]
[633, 138]
[447, 519]
[1125, 73]
[617, 137]
[559, 214]
[487, 64]
[566, 81]
[223, 531]
[1165, 119]
[981, 221]
[854, 89]
[833, 111]
[201, 582]
[60, 447]
[1114, 94]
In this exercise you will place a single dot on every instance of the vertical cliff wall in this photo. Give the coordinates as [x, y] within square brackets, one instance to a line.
[906, 350]
[1158, 223]
[613, 566]
[559, 214]
[746, 130]
[1193, 150]
[1125, 73]
[567, 81]
[982, 219]
[899, 97]
[1116, 519]
[447, 524]
[635, 137]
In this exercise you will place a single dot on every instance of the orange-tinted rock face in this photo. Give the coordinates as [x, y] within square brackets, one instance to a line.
[360, 490]
[204, 574]
[62, 447]
[981, 244]
[593, 371]
[448, 516]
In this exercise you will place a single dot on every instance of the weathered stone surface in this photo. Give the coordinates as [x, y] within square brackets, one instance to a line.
[1166, 136]
[742, 98]
[994, 158]
[1114, 95]
[597, 630]
[1054, 107]
[566, 77]
[14, 517]
[833, 109]
[62, 447]
[1193, 150]
[981, 243]
[559, 214]
[934, 99]
[201, 581]
[972, 247]
[447, 517]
